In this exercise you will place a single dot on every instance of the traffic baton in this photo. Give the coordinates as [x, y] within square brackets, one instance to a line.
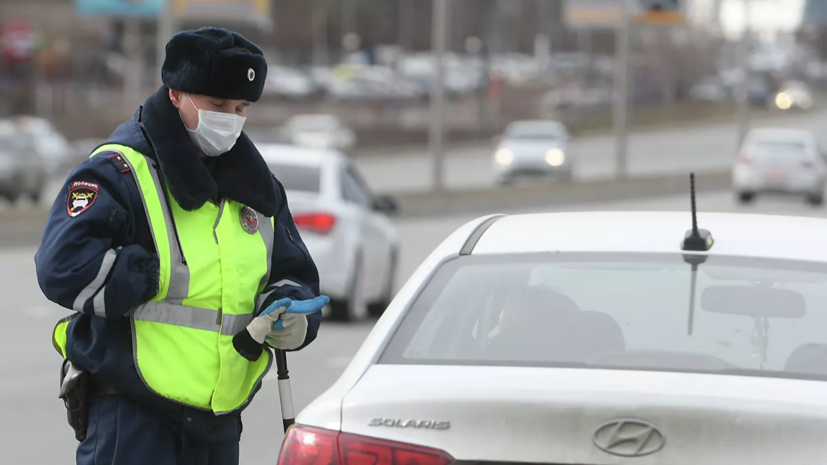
[285, 393]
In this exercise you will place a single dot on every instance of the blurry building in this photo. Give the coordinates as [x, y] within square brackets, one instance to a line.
[814, 25]
[815, 12]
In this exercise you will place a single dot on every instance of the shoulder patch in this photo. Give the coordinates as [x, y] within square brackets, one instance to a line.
[119, 162]
[82, 195]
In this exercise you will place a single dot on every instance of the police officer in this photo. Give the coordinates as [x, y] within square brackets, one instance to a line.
[174, 245]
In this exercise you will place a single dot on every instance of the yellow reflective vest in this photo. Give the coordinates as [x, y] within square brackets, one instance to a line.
[211, 273]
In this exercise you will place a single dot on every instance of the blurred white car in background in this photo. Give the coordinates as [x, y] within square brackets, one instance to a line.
[23, 172]
[347, 230]
[50, 143]
[357, 82]
[290, 83]
[780, 161]
[531, 148]
[319, 131]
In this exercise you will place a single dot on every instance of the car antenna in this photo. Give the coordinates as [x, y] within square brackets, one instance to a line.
[695, 240]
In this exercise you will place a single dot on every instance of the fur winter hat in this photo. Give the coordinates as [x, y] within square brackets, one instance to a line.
[215, 62]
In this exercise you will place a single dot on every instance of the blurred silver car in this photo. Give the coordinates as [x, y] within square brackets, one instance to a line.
[531, 148]
[23, 172]
[289, 83]
[319, 131]
[51, 145]
[780, 161]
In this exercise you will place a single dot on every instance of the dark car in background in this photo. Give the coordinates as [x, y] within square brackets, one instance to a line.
[758, 92]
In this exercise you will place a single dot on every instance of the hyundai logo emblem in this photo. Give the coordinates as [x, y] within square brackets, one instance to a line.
[628, 438]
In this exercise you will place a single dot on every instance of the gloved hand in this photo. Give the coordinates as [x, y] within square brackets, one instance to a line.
[290, 329]
[283, 324]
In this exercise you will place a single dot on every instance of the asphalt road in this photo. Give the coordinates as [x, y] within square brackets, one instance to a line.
[35, 431]
[680, 149]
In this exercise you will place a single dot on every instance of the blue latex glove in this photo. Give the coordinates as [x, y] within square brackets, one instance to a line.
[283, 324]
[295, 307]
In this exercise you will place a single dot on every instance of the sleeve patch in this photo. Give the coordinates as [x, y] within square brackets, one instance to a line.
[82, 195]
[119, 162]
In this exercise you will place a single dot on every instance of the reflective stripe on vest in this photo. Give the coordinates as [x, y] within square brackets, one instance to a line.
[182, 338]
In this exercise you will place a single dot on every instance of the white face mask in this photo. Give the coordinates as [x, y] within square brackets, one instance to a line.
[216, 132]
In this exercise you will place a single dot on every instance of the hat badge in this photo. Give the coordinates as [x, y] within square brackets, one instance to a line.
[251, 74]
[249, 220]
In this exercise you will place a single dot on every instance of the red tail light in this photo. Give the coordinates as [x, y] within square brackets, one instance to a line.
[320, 223]
[305, 445]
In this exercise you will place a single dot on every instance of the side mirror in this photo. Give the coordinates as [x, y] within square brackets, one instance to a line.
[386, 204]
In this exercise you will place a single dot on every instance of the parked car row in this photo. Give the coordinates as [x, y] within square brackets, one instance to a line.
[409, 76]
[788, 95]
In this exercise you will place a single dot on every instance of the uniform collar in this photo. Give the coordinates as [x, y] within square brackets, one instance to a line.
[240, 174]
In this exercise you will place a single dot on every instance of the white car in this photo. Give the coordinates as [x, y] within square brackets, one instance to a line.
[347, 230]
[319, 131]
[780, 161]
[592, 338]
[533, 148]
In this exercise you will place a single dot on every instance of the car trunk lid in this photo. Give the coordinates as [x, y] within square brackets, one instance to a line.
[581, 416]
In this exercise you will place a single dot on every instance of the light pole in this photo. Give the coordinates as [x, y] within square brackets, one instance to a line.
[621, 104]
[439, 28]
[166, 28]
[743, 85]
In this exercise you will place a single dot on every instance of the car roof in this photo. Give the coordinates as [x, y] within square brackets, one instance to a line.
[295, 155]
[536, 123]
[735, 234]
[324, 118]
[779, 134]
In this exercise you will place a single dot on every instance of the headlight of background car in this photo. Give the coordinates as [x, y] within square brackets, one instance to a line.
[504, 156]
[555, 157]
[784, 101]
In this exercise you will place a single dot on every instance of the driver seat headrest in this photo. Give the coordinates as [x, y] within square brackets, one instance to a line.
[553, 327]
[541, 301]
[808, 358]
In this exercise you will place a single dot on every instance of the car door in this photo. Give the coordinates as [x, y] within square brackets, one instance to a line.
[372, 229]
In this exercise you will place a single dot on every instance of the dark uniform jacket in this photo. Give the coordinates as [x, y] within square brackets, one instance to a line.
[77, 238]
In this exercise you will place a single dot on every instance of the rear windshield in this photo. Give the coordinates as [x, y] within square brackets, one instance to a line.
[620, 311]
[777, 149]
[297, 177]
